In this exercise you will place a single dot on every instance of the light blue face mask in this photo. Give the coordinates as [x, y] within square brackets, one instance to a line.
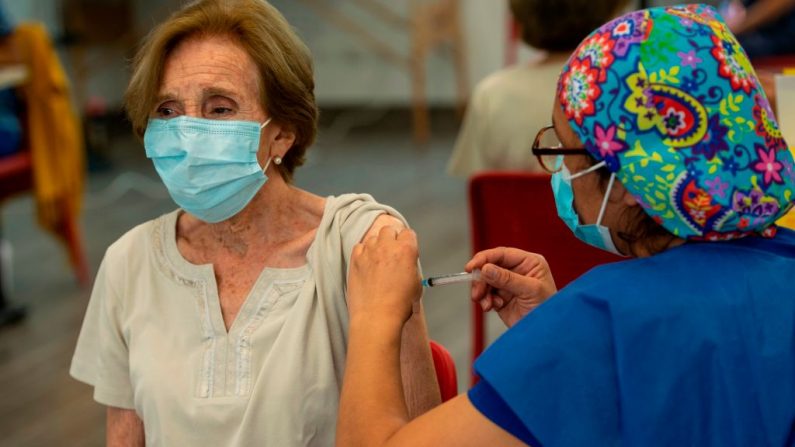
[596, 234]
[210, 167]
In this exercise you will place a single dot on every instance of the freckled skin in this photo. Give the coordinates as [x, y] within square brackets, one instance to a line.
[199, 66]
[214, 78]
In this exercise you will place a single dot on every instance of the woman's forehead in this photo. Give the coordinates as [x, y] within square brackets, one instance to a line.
[209, 63]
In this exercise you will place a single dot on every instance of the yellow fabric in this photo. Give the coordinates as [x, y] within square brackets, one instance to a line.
[53, 131]
[788, 221]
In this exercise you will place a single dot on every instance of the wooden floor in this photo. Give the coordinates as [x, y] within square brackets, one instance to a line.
[43, 406]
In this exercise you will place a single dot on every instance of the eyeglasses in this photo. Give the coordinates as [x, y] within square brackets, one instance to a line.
[547, 148]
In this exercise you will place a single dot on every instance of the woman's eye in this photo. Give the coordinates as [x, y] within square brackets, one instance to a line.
[165, 112]
[220, 107]
[221, 110]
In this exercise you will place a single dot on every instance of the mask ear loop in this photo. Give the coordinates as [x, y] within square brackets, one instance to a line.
[587, 171]
[604, 201]
[268, 163]
[265, 123]
[607, 191]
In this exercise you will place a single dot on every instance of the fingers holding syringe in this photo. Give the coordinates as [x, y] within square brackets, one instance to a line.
[495, 278]
[505, 257]
[494, 299]
[490, 296]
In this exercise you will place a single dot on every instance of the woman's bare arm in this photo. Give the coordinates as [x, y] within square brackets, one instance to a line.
[124, 428]
[420, 388]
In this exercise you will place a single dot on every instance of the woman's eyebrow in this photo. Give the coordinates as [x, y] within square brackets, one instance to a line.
[163, 97]
[219, 91]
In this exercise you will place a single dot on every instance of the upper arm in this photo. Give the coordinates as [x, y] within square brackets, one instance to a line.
[420, 387]
[418, 374]
[382, 221]
[456, 422]
[124, 428]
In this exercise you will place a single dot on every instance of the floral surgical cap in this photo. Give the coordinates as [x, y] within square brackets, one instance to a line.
[668, 99]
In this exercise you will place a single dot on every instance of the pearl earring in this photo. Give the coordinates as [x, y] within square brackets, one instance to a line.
[277, 160]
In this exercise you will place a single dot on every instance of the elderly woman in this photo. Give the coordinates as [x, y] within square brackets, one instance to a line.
[670, 155]
[225, 321]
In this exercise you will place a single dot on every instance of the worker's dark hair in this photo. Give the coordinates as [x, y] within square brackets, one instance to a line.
[560, 25]
[642, 231]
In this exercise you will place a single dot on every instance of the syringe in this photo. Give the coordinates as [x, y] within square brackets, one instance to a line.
[453, 278]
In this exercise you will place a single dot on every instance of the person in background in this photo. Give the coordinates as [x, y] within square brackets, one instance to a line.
[666, 157]
[224, 322]
[763, 27]
[507, 106]
[10, 125]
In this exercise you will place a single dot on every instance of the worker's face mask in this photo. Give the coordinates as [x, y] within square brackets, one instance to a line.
[596, 234]
[210, 167]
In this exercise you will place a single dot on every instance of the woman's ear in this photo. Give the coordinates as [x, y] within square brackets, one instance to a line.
[279, 139]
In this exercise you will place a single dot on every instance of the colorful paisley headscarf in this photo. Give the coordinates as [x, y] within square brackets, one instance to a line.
[668, 99]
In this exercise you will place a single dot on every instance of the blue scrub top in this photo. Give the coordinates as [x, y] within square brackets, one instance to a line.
[692, 347]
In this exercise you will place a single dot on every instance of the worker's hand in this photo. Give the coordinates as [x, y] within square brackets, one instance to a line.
[384, 280]
[512, 282]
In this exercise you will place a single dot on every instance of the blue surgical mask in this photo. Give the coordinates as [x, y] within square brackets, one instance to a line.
[596, 234]
[209, 167]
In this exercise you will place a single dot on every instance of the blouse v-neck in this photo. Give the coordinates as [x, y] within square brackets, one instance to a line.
[269, 278]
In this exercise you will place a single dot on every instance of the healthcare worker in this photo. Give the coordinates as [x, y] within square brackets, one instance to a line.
[672, 157]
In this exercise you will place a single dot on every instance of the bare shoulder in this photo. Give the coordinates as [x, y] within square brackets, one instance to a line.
[382, 221]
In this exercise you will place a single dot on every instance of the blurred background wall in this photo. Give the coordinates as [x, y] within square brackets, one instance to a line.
[347, 72]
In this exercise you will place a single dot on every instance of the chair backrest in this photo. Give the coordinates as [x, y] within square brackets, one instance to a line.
[517, 209]
[445, 371]
[16, 174]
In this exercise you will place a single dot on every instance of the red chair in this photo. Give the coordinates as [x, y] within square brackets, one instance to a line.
[776, 63]
[517, 209]
[445, 371]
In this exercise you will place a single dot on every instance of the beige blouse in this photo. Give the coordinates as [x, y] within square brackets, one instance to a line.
[505, 112]
[154, 340]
